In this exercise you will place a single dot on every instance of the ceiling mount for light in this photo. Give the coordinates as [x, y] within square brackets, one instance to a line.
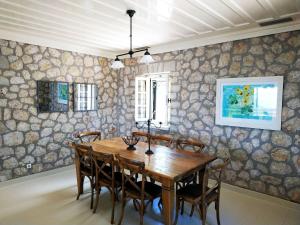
[147, 58]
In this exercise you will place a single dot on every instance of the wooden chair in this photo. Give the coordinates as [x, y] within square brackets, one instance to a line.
[162, 140]
[189, 145]
[89, 136]
[193, 146]
[105, 176]
[112, 131]
[139, 191]
[83, 157]
[200, 195]
[141, 134]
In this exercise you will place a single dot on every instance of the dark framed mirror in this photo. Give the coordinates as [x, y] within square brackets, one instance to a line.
[52, 96]
[85, 97]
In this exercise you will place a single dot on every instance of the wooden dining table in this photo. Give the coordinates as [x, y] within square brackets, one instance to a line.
[166, 166]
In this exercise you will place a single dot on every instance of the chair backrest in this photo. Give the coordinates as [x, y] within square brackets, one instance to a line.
[83, 153]
[216, 170]
[141, 134]
[162, 140]
[130, 170]
[100, 160]
[89, 136]
[112, 131]
[189, 145]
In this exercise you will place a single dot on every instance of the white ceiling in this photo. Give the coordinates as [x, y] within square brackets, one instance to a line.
[101, 27]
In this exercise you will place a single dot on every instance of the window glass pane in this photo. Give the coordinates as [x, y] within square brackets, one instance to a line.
[141, 112]
[141, 98]
[142, 86]
[151, 101]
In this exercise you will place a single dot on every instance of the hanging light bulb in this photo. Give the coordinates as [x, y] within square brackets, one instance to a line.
[147, 58]
[117, 64]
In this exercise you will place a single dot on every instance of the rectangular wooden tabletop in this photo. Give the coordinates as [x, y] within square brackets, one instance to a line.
[165, 163]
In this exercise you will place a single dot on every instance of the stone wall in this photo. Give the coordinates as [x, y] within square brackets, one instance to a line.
[261, 160]
[39, 138]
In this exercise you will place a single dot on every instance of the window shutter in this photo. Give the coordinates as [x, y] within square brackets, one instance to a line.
[141, 99]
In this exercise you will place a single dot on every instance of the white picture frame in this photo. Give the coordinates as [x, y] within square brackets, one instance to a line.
[253, 102]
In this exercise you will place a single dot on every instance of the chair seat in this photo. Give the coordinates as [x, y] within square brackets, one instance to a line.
[188, 179]
[86, 170]
[194, 191]
[118, 179]
[150, 188]
[191, 190]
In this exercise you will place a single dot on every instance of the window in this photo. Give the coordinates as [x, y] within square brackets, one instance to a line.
[152, 98]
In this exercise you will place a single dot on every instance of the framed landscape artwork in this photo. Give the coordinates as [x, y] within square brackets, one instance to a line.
[52, 96]
[254, 102]
[62, 93]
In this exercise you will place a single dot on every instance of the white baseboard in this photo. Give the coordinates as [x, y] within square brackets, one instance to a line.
[261, 196]
[247, 192]
[19, 180]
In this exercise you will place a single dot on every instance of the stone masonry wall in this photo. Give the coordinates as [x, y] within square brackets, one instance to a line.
[39, 138]
[261, 160]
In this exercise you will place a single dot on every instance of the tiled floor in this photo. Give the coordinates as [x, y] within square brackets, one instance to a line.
[50, 199]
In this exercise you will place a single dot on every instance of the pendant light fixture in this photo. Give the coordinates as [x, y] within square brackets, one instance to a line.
[147, 58]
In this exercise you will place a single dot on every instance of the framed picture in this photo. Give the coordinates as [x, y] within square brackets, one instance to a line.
[52, 96]
[254, 102]
[62, 93]
[85, 97]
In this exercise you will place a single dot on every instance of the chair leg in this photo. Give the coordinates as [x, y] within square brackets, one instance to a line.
[160, 205]
[92, 195]
[200, 214]
[77, 197]
[203, 213]
[177, 210]
[182, 207]
[142, 213]
[97, 199]
[217, 207]
[192, 210]
[135, 204]
[146, 205]
[92, 198]
[116, 194]
[112, 221]
[123, 208]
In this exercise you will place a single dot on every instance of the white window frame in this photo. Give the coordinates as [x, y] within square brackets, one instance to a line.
[137, 79]
[148, 78]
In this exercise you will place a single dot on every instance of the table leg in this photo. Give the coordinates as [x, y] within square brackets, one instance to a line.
[168, 203]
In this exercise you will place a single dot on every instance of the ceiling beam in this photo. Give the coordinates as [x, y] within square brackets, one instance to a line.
[53, 33]
[224, 36]
[269, 7]
[184, 26]
[60, 28]
[139, 18]
[82, 23]
[239, 10]
[204, 7]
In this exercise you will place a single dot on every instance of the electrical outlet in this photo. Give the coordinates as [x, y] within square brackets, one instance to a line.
[28, 166]
[3, 91]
